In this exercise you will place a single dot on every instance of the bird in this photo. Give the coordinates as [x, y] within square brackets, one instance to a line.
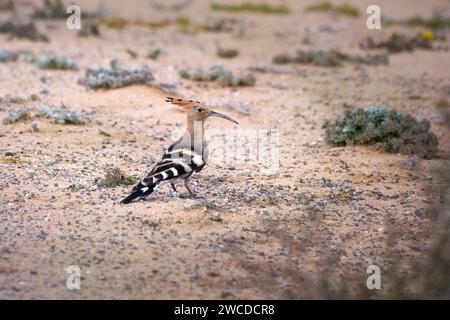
[187, 156]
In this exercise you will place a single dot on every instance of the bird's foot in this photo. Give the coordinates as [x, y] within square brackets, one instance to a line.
[189, 196]
[177, 195]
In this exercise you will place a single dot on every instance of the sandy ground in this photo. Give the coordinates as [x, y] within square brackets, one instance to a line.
[325, 216]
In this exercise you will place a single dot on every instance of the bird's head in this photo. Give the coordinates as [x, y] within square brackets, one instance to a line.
[197, 111]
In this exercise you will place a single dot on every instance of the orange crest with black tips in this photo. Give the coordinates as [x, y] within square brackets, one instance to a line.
[184, 103]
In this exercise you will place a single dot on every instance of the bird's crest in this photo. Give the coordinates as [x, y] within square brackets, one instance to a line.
[184, 103]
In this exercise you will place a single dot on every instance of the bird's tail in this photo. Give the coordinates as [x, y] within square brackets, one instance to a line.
[139, 190]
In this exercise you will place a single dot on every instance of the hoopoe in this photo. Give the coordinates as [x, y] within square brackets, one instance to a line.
[185, 157]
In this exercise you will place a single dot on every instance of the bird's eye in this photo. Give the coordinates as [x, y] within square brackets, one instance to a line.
[200, 109]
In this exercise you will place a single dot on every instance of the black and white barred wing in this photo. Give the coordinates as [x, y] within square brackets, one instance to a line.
[175, 164]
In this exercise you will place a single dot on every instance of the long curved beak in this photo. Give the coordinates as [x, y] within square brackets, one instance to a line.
[220, 115]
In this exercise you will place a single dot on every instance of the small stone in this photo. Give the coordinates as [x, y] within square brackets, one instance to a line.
[411, 162]
[227, 53]
[215, 217]
[35, 127]
[103, 132]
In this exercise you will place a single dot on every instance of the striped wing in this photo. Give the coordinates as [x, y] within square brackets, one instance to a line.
[176, 163]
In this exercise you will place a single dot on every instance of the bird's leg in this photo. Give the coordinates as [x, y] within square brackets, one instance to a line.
[186, 184]
[176, 194]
